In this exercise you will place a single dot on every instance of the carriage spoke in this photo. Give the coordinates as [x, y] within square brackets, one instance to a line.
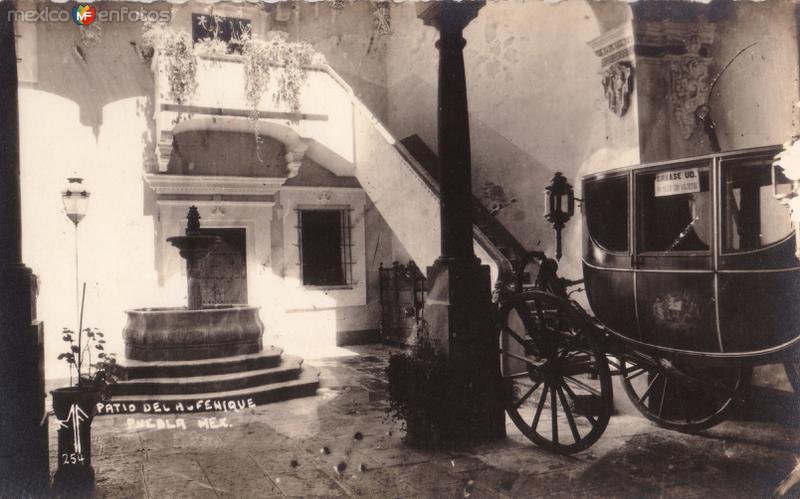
[539, 407]
[686, 406]
[649, 388]
[583, 385]
[518, 357]
[636, 373]
[580, 365]
[554, 414]
[507, 330]
[521, 401]
[570, 419]
[565, 365]
[663, 396]
[574, 398]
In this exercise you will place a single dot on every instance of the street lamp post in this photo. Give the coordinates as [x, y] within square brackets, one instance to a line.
[75, 198]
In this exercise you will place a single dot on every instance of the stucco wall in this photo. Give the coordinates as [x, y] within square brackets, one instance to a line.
[754, 101]
[87, 114]
[535, 98]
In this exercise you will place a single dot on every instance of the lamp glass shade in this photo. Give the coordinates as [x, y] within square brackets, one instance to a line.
[75, 199]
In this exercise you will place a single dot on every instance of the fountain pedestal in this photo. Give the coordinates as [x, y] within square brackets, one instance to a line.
[195, 332]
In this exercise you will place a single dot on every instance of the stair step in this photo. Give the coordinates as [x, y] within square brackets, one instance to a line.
[288, 369]
[134, 369]
[304, 385]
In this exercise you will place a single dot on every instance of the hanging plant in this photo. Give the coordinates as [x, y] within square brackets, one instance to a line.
[211, 47]
[180, 61]
[288, 61]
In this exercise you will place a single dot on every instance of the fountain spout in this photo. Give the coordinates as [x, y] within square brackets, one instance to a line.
[193, 247]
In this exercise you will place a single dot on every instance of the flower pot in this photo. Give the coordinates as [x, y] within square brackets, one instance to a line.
[74, 408]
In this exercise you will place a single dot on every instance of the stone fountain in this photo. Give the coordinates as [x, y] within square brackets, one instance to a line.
[202, 357]
[197, 331]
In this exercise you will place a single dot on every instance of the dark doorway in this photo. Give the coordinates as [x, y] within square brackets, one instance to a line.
[223, 273]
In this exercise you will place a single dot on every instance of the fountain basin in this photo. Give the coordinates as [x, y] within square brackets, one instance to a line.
[179, 333]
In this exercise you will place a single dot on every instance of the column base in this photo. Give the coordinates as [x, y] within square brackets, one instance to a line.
[461, 317]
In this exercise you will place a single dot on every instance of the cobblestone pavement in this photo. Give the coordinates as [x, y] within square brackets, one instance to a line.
[340, 443]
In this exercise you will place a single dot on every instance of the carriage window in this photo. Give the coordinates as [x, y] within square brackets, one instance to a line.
[751, 217]
[607, 212]
[675, 210]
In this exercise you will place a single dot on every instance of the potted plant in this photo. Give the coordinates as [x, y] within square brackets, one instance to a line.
[418, 391]
[76, 405]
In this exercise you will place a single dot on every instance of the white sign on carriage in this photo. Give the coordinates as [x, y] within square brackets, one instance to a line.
[677, 182]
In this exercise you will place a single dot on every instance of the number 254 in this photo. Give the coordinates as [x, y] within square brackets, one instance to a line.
[72, 458]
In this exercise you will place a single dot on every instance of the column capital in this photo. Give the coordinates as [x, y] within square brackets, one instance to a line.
[447, 14]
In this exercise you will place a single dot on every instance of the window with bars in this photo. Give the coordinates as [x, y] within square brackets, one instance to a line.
[326, 249]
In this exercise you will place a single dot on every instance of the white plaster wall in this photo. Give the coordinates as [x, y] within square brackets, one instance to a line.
[309, 316]
[535, 98]
[754, 101]
[116, 242]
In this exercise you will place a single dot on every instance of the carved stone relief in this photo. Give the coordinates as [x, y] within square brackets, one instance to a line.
[617, 86]
[688, 89]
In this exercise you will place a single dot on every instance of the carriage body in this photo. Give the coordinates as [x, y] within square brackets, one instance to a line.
[693, 256]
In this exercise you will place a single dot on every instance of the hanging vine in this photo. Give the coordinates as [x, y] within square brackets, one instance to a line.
[272, 64]
[289, 62]
[180, 61]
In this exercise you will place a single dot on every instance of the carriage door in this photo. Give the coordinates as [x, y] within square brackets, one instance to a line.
[673, 259]
[223, 273]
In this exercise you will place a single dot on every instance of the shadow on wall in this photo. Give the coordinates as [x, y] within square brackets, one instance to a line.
[92, 74]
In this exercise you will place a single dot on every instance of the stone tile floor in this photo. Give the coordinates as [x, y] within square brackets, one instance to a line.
[340, 444]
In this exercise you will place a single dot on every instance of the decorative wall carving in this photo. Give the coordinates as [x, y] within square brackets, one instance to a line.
[688, 89]
[615, 50]
[617, 86]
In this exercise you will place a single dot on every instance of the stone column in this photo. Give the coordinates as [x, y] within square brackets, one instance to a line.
[458, 306]
[23, 440]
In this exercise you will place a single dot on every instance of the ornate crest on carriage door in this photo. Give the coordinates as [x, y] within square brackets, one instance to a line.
[689, 85]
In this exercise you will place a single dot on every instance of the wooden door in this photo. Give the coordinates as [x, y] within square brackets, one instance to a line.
[223, 273]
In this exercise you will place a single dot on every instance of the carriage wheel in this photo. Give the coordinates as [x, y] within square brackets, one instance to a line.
[684, 399]
[793, 373]
[555, 374]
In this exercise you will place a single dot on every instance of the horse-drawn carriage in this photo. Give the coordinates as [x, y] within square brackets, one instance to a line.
[689, 267]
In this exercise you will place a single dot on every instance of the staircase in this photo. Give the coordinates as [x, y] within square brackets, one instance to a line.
[485, 223]
[233, 382]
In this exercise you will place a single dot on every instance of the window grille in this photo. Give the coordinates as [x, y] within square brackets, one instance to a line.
[328, 232]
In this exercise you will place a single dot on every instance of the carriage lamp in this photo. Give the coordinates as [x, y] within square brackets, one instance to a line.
[559, 206]
[75, 198]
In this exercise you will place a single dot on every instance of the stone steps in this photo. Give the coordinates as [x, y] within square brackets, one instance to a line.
[288, 369]
[304, 385]
[222, 384]
[135, 369]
